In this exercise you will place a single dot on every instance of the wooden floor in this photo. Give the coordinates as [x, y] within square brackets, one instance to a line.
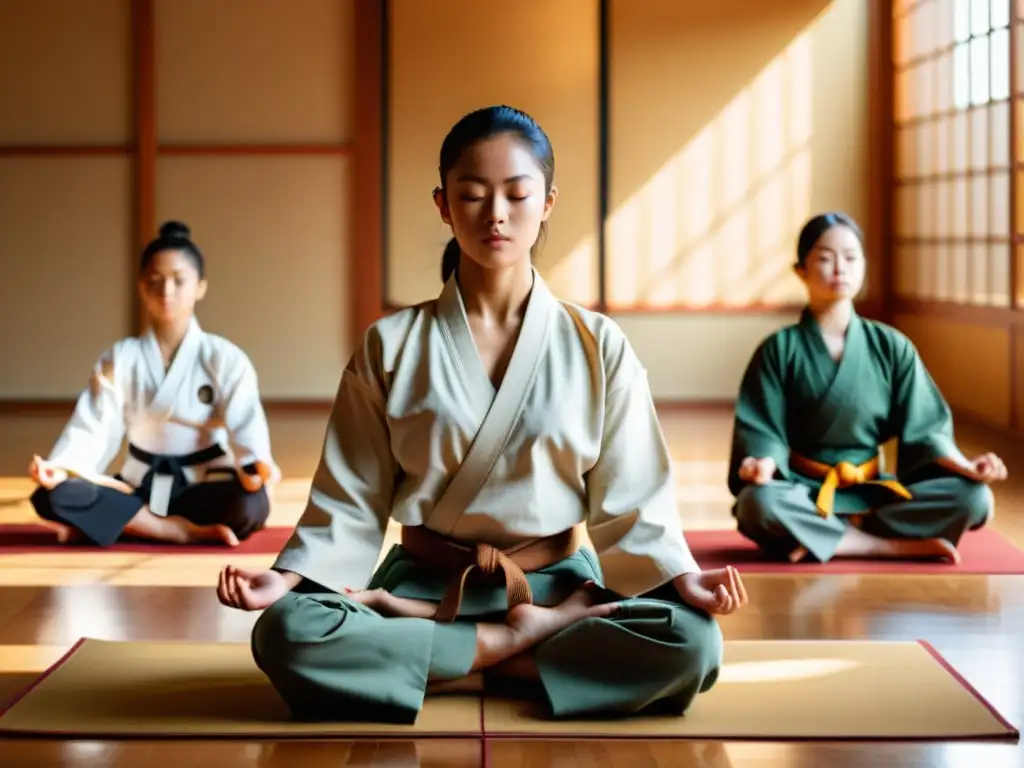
[48, 601]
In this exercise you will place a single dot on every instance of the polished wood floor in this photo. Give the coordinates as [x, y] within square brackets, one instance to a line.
[48, 601]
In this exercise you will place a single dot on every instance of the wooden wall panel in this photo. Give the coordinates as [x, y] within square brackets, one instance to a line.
[970, 362]
[1017, 361]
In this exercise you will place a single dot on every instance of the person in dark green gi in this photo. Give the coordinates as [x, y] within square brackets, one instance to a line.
[818, 400]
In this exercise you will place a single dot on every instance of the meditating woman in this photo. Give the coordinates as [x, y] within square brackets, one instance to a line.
[496, 424]
[199, 448]
[817, 402]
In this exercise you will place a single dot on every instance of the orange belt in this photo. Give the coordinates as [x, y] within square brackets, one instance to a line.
[842, 475]
[435, 550]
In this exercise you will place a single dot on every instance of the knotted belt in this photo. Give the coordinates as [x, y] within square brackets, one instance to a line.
[433, 550]
[172, 467]
[842, 475]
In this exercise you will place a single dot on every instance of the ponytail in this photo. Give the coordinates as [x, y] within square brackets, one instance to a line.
[450, 259]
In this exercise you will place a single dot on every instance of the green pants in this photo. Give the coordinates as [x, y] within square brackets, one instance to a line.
[781, 515]
[332, 659]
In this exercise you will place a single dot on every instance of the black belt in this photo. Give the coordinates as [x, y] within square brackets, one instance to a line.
[172, 466]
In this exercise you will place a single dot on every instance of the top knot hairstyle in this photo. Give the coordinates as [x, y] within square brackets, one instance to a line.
[174, 236]
[483, 124]
[818, 226]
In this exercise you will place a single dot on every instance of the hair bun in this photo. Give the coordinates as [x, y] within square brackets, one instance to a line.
[175, 229]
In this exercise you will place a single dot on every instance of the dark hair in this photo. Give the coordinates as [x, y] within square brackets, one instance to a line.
[484, 124]
[174, 236]
[818, 226]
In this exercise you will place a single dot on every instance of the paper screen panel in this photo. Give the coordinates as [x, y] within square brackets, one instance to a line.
[254, 71]
[67, 270]
[65, 72]
[274, 231]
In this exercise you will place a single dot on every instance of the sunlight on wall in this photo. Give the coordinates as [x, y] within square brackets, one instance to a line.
[565, 274]
[715, 226]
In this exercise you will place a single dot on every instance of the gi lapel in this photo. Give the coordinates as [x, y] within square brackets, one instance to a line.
[153, 360]
[504, 410]
[168, 388]
[838, 388]
[451, 314]
[170, 383]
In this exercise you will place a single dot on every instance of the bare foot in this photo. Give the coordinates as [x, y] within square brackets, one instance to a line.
[196, 533]
[527, 625]
[532, 624]
[66, 534]
[925, 548]
[857, 543]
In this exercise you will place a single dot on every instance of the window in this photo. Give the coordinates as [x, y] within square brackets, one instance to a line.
[954, 227]
[1016, 54]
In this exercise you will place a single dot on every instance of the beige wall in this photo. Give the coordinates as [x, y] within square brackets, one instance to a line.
[65, 222]
[273, 227]
[65, 72]
[65, 269]
[729, 125]
[275, 230]
[446, 60]
[970, 362]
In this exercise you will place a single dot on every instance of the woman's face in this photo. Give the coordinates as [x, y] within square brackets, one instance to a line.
[834, 268]
[171, 286]
[495, 201]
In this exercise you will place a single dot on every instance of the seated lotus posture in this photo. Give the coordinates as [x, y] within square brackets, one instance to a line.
[199, 447]
[817, 402]
[496, 424]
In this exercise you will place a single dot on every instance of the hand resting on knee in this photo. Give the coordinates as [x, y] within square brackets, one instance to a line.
[48, 475]
[757, 471]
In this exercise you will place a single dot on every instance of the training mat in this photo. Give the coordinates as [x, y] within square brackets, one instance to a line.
[182, 689]
[23, 538]
[981, 552]
[798, 690]
[772, 690]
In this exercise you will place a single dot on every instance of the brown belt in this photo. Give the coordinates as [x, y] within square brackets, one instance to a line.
[842, 475]
[434, 550]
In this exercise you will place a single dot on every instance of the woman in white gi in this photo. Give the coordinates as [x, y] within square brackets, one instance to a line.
[188, 403]
[494, 423]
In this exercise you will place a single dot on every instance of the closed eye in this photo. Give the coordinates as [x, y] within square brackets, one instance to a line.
[477, 199]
